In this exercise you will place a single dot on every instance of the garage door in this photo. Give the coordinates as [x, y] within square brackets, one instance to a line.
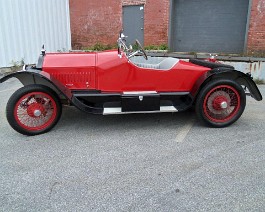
[209, 25]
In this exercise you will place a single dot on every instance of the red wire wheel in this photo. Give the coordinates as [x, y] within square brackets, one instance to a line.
[221, 103]
[33, 110]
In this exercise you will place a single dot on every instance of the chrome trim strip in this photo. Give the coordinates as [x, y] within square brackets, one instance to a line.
[139, 92]
[117, 110]
[168, 109]
[112, 110]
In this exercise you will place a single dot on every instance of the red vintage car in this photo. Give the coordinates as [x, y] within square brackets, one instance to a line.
[122, 82]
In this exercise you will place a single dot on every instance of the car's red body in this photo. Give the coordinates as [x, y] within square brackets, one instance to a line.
[111, 82]
[105, 71]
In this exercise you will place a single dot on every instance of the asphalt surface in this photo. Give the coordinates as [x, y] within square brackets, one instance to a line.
[142, 162]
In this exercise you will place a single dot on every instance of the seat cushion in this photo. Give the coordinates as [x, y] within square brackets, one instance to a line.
[168, 63]
[165, 64]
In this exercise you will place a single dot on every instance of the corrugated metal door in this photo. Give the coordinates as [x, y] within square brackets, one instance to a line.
[27, 24]
[133, 23]
[209, 25]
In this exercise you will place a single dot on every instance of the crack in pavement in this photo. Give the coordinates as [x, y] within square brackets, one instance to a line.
[52, 189]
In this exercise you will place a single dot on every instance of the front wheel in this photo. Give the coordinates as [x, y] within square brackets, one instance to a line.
[220, 103]
[33, 110]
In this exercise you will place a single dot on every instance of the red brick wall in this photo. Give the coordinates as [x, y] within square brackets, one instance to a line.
[94, 21]
[99, 21]
[133, 2]
[256, 34]
[156, 18]
[156, 22]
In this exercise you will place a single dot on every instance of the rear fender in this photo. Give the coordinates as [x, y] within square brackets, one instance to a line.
[32, 76]
[223, 73]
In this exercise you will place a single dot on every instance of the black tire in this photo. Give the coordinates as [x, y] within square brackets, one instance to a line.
[33, 110]
[220, 103]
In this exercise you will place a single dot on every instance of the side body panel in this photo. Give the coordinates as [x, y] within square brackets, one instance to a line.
[74, 70]
[120, 75]
[107, 72]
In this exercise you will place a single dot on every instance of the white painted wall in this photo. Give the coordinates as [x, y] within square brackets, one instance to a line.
[25, 25]
[257, 69]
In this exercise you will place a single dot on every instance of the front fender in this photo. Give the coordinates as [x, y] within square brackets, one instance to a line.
[33, 76]
[239, 77]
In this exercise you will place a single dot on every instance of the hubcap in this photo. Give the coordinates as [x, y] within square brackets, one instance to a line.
[223, 105]
[220, 102]
[35, 110]
[37, 113]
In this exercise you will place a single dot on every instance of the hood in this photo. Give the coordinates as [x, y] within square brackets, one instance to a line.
[66, 60]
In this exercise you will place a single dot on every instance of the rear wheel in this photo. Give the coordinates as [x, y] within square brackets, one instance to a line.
[220, 103]
[33, 110]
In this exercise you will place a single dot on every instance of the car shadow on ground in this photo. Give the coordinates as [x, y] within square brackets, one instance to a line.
[76, 119]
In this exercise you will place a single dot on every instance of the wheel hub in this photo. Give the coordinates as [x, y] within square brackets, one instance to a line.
[220, 103]
[37, 113]
[35, 110]
[224, 105]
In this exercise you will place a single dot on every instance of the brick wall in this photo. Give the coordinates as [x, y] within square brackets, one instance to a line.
[256, 34]
[99, 21]
[156, 18]
[156, 22]
[132, 2]
[94, 21]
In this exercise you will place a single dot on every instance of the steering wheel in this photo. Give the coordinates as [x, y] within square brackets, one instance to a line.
[141, 49]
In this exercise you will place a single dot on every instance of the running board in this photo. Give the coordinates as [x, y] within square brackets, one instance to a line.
[117, 110]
